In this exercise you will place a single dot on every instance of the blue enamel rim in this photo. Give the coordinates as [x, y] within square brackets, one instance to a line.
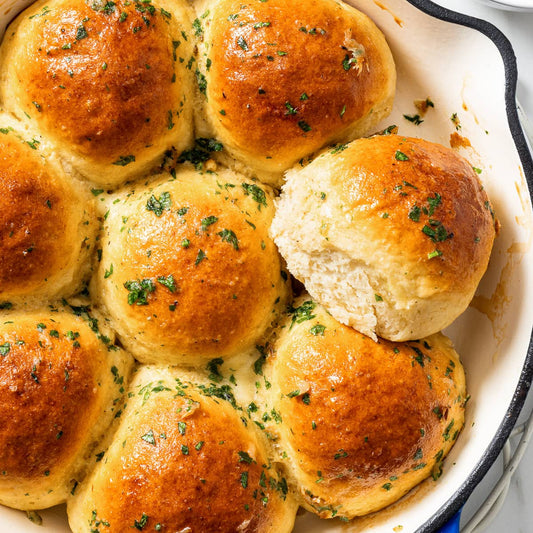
[448, 513]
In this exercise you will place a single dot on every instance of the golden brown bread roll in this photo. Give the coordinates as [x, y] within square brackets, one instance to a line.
[391, 234]
[188, 272]
[106, 81]
[47, 222]
[362, 422]
[280, 81]
[184, 459]
[60, 377]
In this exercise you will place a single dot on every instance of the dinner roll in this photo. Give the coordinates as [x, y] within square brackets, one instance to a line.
[188, 271]
[47, 222]
[182, 458]
[60, 376]
[391, 234]
[362, 422]
[107, 81]
[280, 81]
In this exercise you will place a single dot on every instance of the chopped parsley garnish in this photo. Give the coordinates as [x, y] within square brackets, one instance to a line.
[258, 25]
[244, 479]
[4, 348]
[304, 126]
[415, 119]
[456, 122]
[168, 282]
[139, 524]
[200, 257]
[435, 253]
[228, 236]
[257, 194]
[438, 232]
[434, 203]
[242, 43]
[340, 455]
[158, 205]
[201, 152]
[400, 156]
[197, 27]
[124, 160]
[139, 291]
[245, 458]
[81, 33]
[302, 313]
[208, 221]
[259, 362]
[201, 81]
[149, 437]
[414, 213]
[213, 368]
[107, 272]
[290, 109]
[318, 329]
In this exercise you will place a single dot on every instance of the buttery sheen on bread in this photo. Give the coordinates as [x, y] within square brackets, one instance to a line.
[167, 249]
[185, 459]
[391, 234]
[280, 80]
[47, 222]
[60, 378]
[188, 271]
[107, 82]
[363, 422]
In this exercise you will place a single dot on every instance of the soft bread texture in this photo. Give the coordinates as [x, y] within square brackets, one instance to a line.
[280, 82]
[59, 383]
[107, 82]
[47, 222]
[363, 421]
[391, 234]
[184, 459]
[188, 271]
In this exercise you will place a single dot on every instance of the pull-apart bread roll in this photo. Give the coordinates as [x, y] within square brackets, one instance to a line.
[391, 234]
[188, 271]
[107, 82]
[47, 223]
[362, 422]
[281, 79]
[60, 378]
[182, 459]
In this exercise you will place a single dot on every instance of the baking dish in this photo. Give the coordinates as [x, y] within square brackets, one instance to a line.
[467, 69]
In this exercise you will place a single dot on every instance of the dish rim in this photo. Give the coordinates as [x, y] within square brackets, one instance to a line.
[454, 504]
[450, 509]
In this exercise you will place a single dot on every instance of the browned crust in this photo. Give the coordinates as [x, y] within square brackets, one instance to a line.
[398, 188]
[277, 74]
[88, 76]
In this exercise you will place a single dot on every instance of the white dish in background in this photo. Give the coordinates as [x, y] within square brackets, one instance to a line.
[462, 71]
[512, 5]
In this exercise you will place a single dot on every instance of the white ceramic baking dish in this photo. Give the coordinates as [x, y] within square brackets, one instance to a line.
[467, 68]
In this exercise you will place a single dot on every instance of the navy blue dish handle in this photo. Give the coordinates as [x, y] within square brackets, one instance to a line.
[452, 526]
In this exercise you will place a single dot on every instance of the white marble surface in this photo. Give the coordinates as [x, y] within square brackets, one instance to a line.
[516, 515]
